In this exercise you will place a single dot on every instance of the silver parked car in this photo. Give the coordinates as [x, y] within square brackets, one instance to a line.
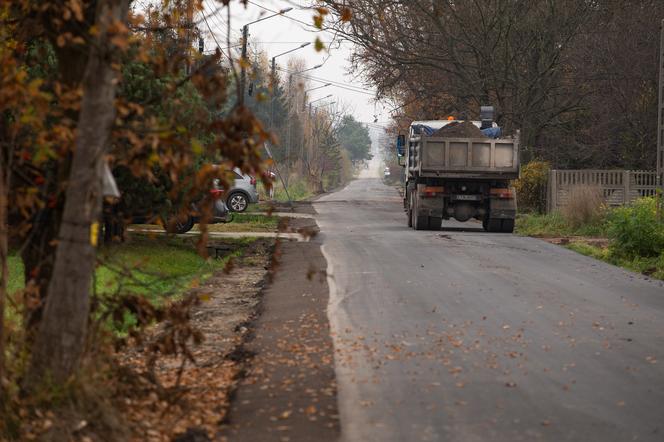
[242, 193]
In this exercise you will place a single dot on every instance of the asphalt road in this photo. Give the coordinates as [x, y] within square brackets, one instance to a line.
[462, 335]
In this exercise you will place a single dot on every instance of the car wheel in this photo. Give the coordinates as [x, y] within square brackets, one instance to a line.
[179, 225]
[237, 202]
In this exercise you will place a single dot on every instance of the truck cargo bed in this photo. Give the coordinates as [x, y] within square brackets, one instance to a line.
[482, 158]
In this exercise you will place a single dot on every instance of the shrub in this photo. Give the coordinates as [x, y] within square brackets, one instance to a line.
[531, 186]
[585, 205]
[635, 231]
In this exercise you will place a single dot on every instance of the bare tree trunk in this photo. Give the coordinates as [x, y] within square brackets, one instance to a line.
[61, 337]
[4, 255]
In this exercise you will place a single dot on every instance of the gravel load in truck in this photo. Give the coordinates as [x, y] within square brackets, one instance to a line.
[459, 129]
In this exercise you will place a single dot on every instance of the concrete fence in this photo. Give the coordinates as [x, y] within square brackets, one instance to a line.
[619, 187]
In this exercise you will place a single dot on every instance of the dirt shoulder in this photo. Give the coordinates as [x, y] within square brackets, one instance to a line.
[289, 392]
[192, 400]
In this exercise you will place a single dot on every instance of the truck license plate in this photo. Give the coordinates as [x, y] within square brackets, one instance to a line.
[467, 197]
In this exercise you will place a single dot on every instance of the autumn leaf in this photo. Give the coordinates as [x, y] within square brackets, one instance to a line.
[76, 7]
[319, 45]
[196, 146]
[120, 41]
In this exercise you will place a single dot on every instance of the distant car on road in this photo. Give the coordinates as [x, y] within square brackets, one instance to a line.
[242, 193]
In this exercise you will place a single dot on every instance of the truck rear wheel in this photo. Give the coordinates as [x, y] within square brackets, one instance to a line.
[418, 222]
[498, 225]
[435, 223]
[492, 225]
[507, 226]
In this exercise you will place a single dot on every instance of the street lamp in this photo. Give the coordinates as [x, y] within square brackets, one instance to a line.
[272, 75]
[318, 87]
[304, 101]
[245, 37]
[320, 99]
[284, 53]
[310, 69]
[288, 125]
[315, 101]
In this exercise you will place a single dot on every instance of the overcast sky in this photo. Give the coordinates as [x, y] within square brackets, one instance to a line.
[282, 33]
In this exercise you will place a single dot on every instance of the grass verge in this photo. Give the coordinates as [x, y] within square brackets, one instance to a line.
[298, 190]
[152, 266]
[653, 267]
[247, 222]
[555, 224]
[630, 237]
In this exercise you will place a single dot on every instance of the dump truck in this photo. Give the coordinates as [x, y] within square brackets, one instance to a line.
[462, 173]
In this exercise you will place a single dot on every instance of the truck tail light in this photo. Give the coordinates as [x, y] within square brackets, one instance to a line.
[431, 191]
[252, 181]
[504, 194]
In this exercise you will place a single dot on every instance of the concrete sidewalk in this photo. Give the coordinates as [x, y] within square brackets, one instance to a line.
[289, 393]
[279, 235]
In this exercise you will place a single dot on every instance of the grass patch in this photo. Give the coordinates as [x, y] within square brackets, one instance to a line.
[653, 267]
[247, 222]
[554, 224]
[153, 266]
[15, 282]
[600, 253]
[298, 190]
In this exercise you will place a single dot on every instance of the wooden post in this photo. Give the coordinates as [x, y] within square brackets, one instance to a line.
[553, 191]
[627, 189]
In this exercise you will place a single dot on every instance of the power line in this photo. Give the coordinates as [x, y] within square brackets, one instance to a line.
[218, 21]
[347, 86]
[309, 25]
[211, 33]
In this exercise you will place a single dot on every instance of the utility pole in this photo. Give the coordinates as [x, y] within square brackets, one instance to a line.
[190, 25]
[245, 38]
[243, 61]
[288, 125]
[273, 78]
[273, 88]
[660, 127]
